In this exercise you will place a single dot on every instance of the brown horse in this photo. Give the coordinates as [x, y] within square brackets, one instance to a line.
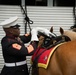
[62, 61]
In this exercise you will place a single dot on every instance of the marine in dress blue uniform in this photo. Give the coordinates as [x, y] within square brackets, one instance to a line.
[13, 48]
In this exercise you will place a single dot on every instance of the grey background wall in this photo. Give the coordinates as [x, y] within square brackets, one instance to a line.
[41, 17]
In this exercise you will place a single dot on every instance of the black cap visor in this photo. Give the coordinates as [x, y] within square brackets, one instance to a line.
[15, 26]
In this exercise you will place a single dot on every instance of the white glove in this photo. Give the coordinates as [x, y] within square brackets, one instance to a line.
[35, 31]
[45, 31]
[34, 35]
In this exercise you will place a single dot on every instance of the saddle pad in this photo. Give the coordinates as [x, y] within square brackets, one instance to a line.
[44, 58]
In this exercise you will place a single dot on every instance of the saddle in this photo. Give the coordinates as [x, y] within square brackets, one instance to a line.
[51, 42]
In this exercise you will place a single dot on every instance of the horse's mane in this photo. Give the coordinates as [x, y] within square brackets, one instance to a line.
[71, 34]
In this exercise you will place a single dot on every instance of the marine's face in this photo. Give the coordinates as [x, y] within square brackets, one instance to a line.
[12, 31]
[15, 31]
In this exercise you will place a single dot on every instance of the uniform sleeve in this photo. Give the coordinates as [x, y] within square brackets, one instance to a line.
[13, 48]
[9, 47]
[26, 39]
[35, 45]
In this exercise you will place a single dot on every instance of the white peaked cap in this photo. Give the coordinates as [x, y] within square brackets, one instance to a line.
[9, 22]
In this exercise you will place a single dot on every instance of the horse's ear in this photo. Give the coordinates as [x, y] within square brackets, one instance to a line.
[51, 29]
[61, 31]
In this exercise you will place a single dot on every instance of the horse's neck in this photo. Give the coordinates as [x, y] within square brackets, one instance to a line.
[70, 34]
